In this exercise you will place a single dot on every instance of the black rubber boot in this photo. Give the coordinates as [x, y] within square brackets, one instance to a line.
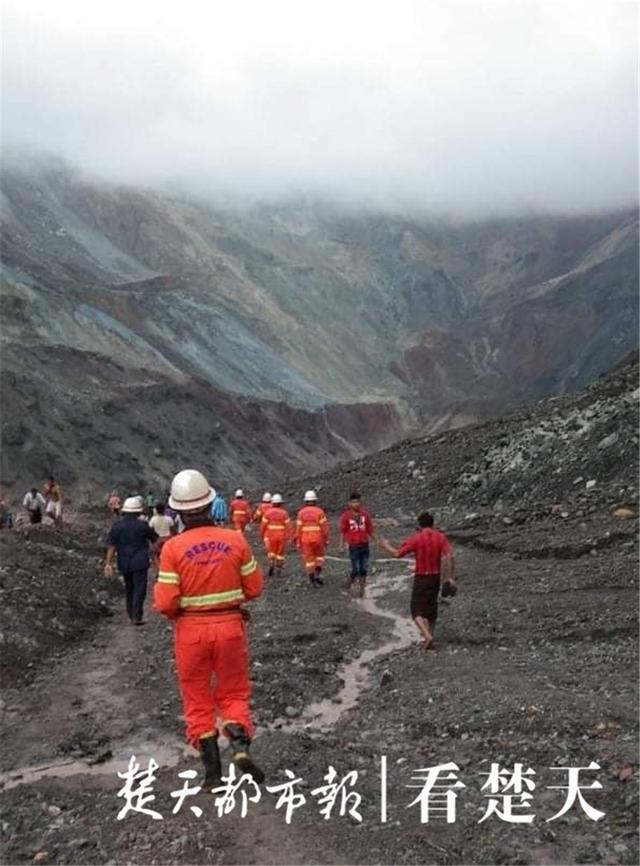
[239, 740]
[211, 760]
[319, 579]
[272, 570]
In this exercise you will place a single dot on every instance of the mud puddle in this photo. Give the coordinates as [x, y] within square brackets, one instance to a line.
[165, 754]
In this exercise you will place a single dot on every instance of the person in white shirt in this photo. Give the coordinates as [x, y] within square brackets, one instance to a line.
[35, 503]
[163, 524]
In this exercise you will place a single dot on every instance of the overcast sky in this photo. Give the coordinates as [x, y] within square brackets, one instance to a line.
[468, 107]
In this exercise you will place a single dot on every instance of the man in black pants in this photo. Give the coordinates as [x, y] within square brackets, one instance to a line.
[433, 553]
[130, 538]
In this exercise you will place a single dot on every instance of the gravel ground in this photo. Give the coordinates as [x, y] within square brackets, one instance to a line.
[536, 662]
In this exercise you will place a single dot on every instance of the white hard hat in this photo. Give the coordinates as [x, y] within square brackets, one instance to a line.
[276, 499]
[311, 496]
[239, 493]
[132, 505]
[266, 497]
[190, 491]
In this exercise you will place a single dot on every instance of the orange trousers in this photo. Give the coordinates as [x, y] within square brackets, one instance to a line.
[276, 547]
[312, 554]
[212, 659]
[240, 523]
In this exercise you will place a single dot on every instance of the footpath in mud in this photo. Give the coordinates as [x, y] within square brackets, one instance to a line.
[536, 663]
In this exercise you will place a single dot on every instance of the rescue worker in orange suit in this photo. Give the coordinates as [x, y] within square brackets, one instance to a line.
[240, 511]
[206, 574]
[312, 536]
[276, 532]
[260, 511]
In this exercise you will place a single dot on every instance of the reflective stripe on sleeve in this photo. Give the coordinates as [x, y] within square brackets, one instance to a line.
[214, 598]
[168, 577]
[249, 568]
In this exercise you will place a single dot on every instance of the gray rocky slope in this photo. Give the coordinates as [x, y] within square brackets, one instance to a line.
[576, 453]
[436, 323]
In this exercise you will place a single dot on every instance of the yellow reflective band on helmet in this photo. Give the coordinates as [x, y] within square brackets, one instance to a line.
[249, 567]
[215, 598]
[168, 577]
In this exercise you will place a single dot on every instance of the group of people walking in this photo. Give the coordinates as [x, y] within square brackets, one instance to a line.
[208, 571]
[309, 533]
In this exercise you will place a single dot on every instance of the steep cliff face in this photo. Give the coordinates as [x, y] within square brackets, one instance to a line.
[428, 324]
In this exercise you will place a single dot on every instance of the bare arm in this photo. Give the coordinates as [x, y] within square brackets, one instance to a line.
[448, 567]
[108, 565]
[385, 545]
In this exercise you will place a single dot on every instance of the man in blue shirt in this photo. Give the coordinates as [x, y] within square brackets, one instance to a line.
[130, 538]
[219, 511]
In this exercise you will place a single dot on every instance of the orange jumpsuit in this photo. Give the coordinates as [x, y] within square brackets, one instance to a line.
[260, 511]
[240, 511]
[205, 574]
[312, 536]
[276, 532]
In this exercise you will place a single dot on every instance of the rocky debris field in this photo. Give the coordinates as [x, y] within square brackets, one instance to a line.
[535, 662]
[570, 456]
[53, 594]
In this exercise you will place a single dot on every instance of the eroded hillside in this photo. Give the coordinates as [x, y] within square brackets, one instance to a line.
[424, 325]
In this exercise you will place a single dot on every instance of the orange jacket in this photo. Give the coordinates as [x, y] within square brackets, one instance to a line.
[276, 523]
[240, 511]
[206, 568]
[260, 511]
[312, 525]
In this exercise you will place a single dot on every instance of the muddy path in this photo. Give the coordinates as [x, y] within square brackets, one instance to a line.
[522, 672]
[110, 680]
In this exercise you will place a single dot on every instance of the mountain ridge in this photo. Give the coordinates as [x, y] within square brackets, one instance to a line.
[435, 323]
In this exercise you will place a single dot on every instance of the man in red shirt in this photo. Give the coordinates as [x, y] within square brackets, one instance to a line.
[431, 550]
[356, 531]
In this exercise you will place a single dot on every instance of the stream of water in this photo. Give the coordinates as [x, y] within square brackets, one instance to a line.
[319, 715]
